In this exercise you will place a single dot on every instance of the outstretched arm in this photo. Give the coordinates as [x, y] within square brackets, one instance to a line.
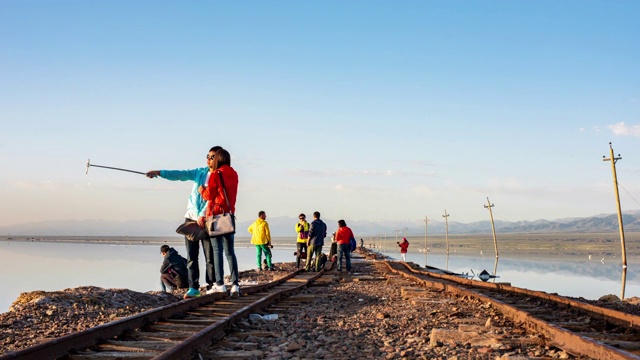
[153, 174]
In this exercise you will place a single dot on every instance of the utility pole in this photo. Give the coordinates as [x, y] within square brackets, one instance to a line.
[446, 226]
[426, 220]
[493, 228]
[615, 188]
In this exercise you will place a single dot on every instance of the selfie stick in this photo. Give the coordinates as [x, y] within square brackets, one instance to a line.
[109, 167]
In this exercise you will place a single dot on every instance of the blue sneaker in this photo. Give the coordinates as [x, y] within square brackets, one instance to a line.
[192, 293]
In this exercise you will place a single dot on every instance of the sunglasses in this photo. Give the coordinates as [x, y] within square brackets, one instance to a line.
[301, 218]
[210, 157]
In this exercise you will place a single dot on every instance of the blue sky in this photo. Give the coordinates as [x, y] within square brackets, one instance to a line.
[374, 110]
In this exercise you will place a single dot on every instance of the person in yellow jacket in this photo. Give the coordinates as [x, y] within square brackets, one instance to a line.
[302, 228]
[261, 238]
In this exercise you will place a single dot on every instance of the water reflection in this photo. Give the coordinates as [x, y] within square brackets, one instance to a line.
[573, 275]
[51, 266]
[624, 281]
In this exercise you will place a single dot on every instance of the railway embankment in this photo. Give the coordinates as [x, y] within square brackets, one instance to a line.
[368, 313]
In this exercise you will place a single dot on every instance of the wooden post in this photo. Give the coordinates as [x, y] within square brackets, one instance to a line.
[446, 236]
[615, 188]
[493, 228]
[624, 282]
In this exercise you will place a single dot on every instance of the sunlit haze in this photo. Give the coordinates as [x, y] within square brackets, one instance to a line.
[378, 110]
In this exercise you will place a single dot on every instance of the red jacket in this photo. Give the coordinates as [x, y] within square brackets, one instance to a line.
[404, 245]
[343, 235]
[215, 196]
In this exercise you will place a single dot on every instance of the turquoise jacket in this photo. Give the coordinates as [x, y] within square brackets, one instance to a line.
[197, 206]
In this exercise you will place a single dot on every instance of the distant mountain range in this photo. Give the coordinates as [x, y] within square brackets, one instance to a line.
[284, 226]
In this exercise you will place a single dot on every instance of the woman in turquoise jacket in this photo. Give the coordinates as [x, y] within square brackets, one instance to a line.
[196, 208]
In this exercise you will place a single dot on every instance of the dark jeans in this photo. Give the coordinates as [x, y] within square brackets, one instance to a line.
[302, 247]
[344, 249]
[166, 283]
[193, 252]
[220, 243]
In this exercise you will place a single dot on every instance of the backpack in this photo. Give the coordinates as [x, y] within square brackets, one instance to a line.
[353, 244]
[304, 234]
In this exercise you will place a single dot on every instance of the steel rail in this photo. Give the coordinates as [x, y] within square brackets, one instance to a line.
[186, 348]
[564, 339]
[64, 345]
[618, 317]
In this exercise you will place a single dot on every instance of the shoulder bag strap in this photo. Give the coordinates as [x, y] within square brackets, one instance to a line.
[225, 192]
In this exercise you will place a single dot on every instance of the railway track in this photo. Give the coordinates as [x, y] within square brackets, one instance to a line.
[175, 331]
[579, 328]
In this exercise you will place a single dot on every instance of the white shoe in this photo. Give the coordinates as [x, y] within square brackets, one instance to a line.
[235, 289]
[217, 289]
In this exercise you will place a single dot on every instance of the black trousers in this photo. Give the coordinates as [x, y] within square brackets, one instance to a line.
[193, 251]
[302, 247]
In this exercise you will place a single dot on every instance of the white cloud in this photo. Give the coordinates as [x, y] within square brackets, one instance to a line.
[504, 183]
[623, 129]
[364, 173]
[423, 191]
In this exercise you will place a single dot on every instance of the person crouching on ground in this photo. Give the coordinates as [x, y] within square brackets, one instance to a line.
[173, 272]
[261, 238]
[343, 236]
[404, 246]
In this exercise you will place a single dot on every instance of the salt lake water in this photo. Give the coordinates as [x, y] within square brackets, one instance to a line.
[52, 266]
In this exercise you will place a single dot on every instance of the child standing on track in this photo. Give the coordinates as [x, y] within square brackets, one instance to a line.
[261, 238]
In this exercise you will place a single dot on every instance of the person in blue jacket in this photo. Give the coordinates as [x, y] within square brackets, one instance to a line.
[196, 208]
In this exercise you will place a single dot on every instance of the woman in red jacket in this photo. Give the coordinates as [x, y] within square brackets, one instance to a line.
[343, 235]
[223, 180]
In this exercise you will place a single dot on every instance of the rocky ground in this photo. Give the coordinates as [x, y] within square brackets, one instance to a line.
[366, 315]
[40, 316]
[362, 315]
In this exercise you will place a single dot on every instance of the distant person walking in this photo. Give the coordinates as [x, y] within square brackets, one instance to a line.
[173, 271]
[361, 244]
[261, 238]
[404, 246]
[223, 180]
[317, 233]
[196, 207]
[343, 238]
[302, 229]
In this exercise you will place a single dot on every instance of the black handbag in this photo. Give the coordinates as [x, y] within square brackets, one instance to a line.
[191, 230]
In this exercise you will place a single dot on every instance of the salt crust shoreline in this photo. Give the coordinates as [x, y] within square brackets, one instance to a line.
[378, 319]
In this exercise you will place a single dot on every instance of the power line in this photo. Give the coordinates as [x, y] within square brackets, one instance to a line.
[628, 193]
